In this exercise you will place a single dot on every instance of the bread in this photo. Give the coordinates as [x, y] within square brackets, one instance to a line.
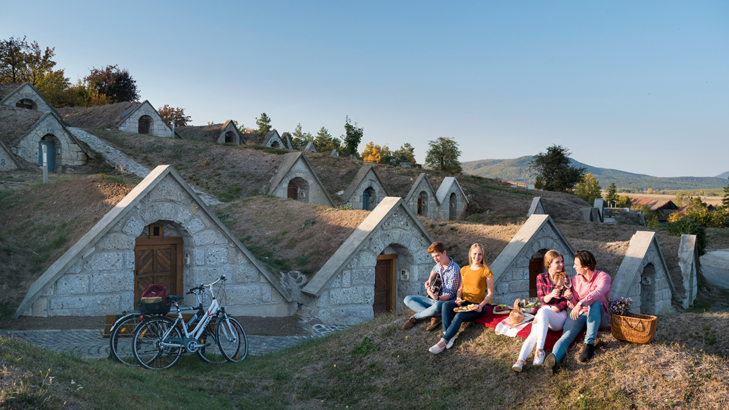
[516, 315]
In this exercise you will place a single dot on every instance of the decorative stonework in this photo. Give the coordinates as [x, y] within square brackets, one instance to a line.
[422, 198]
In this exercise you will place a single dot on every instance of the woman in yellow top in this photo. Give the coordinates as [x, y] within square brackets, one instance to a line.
[477, 288]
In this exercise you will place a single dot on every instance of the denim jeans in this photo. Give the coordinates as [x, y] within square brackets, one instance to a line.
[595, 319]
[451, 323]
[424, 306]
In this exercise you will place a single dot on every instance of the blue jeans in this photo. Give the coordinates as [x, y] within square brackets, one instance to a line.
[594, 320]
[451, 323]
[424, 306]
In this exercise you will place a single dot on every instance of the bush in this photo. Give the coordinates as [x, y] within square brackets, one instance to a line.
[690, 227]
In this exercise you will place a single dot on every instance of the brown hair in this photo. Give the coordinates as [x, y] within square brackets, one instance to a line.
[587, 259]
[551, 256]
[483, 253]
[436, 247]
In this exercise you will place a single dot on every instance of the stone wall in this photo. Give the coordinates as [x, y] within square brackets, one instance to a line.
[317, 195]
[369, 181]
[68, 153]
[25, 92]
[158, 127]
[646, 291]
[348, 297]
[6, 161]
[432, 203]
[101, 281]
[688, 261]
[461, 203]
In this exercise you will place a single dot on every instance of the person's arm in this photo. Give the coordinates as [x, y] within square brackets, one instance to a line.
[602, 287]
[489, 293]
[459, 294]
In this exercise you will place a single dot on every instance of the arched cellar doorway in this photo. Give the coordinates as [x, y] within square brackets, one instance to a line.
[423, 203]
[452, 207]
[52, 147]
[536, 266]
[648, 290]
[158, 259]
[275, 144]
[298, 190]
[229, 137]
[369, 199]
[145, 124]
[385, 284]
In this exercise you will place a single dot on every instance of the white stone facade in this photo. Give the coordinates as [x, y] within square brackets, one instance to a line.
[101, 281]
[688, 260]
[6, 161]
[158, 127]
[68, 153]
[429, 203]
[356, 200]
[300, 169]
[453, 202]
[27, 92]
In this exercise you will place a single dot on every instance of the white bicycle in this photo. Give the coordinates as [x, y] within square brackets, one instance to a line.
[159, 341]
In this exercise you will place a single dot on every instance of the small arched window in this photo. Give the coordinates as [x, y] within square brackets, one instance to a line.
[26, 103]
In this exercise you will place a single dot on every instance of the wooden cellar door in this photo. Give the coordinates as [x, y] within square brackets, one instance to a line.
[536, 266]
[385, 284]
[158, 260]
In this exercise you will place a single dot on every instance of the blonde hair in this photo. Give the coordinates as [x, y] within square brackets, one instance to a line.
[483, 253]
[550, 256]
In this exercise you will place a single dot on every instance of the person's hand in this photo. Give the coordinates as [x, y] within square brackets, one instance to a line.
[554, 293]
[568, 294]
[432, 296]
[575, 312]
[427, 284]
[459, 301]
[479, 308]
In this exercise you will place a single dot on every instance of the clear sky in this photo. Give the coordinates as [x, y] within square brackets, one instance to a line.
[637, 86]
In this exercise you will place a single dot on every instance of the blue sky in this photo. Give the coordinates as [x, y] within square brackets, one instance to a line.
[636, 86]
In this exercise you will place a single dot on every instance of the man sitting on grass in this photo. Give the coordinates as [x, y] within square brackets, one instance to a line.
[430, 306]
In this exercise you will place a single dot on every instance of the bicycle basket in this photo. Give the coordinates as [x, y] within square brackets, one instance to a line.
[154, 300]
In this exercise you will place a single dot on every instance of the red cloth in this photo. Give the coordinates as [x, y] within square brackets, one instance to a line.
[491, 320]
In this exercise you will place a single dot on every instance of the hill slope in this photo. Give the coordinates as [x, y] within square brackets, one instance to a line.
[517, 170]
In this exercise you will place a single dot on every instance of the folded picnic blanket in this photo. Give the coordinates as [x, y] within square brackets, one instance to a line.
[490, 320]
[507, 329]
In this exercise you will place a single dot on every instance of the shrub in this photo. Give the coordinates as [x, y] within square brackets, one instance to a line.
[691, 227]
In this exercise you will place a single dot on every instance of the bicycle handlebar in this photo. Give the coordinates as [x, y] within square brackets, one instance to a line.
[201, 287]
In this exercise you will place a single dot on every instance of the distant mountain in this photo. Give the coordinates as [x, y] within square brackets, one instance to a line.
[517, 170]
[724, 175]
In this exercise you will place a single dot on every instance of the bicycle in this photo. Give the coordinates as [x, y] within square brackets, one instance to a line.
[158, 342]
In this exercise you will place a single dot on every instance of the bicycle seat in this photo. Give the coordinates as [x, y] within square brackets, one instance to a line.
[175, 299]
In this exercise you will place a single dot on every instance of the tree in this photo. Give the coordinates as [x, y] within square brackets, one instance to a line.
[21, 61]
[115, 83]
[12, 60]
[406, 153]
[371, 153]
[588, 189]
[443, 155]
[263, 123]
[385, 155]
[242, 128]
[170, 114]
[325, 142]
[352, 137]
[624, 202]
[301, 138]
[612, 194]
[553, 170]
[725, 200]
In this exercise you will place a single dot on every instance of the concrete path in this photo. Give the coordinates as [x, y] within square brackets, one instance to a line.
[117, 158]
[715, 267]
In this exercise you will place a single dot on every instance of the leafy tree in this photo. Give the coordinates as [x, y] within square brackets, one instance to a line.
[21, 61]
[300, 138]
[674, 217]
[263, 123]
[80, 95]
[170, 114]
[371, 153]
[588, 189]
[406, 153]
[553, 170]
[115, 83]
[443, 155]
[651, 217]
[624, 202]
[325, 142]
[612, 194]
[725, 200]
[385, 155]
[690, 227]
[699, 212]
[242, 128]
[352, 137]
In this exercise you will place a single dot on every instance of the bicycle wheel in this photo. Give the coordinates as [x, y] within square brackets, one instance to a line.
[120, 343]
[148, 345]
[211, 351]
[231, 339]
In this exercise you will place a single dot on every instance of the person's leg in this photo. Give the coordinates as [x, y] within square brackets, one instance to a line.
[432, 310]
[572, 328]
[446, 312]
[418, 303]
[595, 320]
[552, 320]
[528, 346]
[459, 318]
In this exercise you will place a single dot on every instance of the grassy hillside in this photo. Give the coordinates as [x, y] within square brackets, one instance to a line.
[517, 170]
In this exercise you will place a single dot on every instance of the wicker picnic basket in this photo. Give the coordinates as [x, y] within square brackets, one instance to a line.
[635, 328]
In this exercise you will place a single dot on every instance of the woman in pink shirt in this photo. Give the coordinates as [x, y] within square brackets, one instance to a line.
[588, 308]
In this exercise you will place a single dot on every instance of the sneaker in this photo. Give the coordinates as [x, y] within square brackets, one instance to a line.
[549, 361]
[434, 323]
[450, 342]
[435, 349]
[587, 352]
[410, 323]
[539, 358]
[517, 367]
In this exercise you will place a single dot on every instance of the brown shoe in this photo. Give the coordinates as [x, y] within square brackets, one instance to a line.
[410, 323]
[434, 323]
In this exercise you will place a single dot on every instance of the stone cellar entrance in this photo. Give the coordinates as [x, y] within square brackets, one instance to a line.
[536, 266]
[158, 260]
[385, 284]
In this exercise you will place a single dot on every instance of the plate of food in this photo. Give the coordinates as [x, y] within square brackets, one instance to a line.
[501, 310]
[466, 308]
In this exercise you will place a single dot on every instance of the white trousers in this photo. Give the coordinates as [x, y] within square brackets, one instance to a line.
[546, 319]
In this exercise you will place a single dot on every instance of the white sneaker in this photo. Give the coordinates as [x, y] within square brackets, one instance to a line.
[517, 367]
[435, 349]
[539, 358]
[450, 342]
